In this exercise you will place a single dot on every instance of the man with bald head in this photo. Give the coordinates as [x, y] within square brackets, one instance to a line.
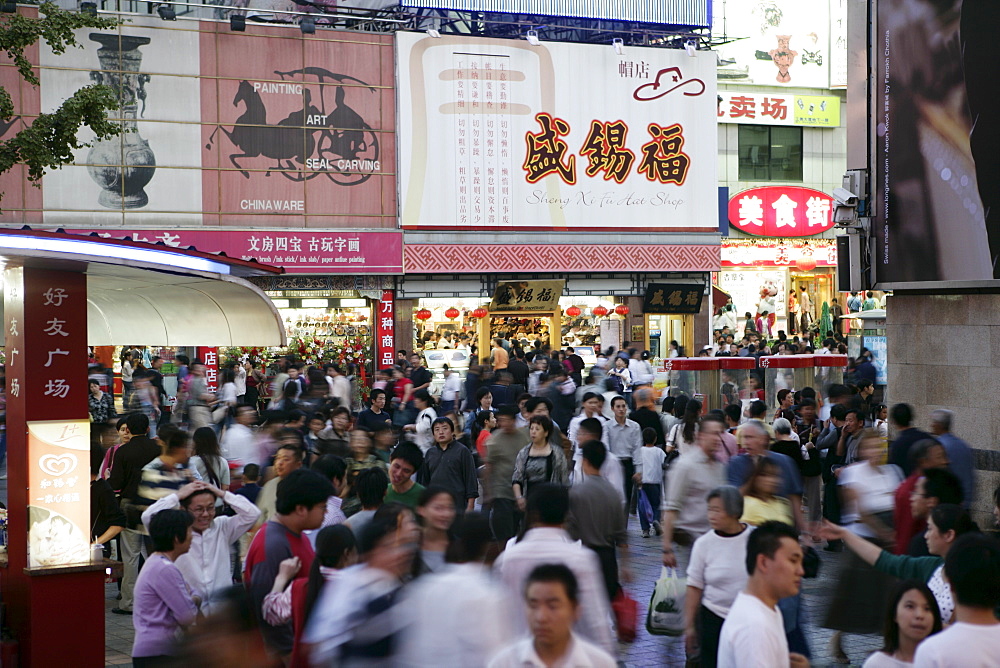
[756, 439]
[646, 416]
[958, 451]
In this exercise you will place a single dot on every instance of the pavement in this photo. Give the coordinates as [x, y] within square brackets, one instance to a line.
[646, 650]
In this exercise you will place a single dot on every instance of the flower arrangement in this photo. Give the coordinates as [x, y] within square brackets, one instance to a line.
[258, 355]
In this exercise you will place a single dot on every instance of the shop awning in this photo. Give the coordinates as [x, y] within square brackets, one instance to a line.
[719, 297]
[126, 305]
[139, 293]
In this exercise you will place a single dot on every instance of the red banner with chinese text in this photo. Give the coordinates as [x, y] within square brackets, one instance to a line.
[385, 328]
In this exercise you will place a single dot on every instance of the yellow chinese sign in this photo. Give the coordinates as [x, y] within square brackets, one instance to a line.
[527, 296]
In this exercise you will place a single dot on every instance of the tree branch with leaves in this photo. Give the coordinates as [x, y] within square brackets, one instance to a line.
[49, 142]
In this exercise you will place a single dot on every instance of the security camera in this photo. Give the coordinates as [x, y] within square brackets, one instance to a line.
[845, 197]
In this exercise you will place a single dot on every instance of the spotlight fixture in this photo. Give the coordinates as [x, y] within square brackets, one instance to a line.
[532, 37]
[237, 22]
[433, 32]
[166, 13]
[691, 47]
[619, 45]
[307, 26]
[89, 8]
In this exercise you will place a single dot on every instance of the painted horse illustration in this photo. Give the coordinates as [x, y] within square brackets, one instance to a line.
[343, 147]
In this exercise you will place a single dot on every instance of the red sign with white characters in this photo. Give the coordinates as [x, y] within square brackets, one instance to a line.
[385, 328]
[781, 211]
[210, 357]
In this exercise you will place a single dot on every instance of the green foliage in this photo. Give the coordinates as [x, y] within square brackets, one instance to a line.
[49, 141]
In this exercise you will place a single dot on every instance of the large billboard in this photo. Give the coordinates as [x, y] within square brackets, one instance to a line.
[501, 134]
[257, 129]
[775, 43]
[936, 172]
[692, 13]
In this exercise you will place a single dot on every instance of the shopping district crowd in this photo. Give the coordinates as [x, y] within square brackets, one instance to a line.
[486, 524]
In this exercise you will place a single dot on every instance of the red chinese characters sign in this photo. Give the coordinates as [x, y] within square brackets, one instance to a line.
[781, 211]
[546, 152]
[297, 251]
[385, 327]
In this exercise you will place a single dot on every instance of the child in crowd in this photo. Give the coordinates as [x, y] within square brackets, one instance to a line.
[651, 478]
[251, 479]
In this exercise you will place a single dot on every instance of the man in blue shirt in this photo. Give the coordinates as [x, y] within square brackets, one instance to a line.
[757, 441]
[959, 453]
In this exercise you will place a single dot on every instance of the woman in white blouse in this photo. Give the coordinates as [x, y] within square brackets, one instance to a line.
[421, 429]
[716, 574]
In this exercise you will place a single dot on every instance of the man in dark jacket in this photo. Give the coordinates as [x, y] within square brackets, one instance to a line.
[126, 474]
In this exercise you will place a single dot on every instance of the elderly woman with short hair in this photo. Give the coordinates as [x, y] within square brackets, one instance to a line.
[716, 574]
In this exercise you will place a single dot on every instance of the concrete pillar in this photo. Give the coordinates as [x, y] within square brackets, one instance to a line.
[944, 352]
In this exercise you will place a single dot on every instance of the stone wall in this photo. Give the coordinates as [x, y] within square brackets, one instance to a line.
[944, 352]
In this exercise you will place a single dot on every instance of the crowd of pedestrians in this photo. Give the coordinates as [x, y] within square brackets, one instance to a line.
[312, 531]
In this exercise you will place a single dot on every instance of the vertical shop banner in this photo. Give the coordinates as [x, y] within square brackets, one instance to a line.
[262, 128]
[773, 43]
[210, 356]
[502, 134]
[48, 431]
[385, 330]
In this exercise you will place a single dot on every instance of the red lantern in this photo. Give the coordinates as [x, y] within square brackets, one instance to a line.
[480, 313]
[600, 311]
[621, 309]
[452, 313]
[806, 263]
[573, 311]
[423, 314]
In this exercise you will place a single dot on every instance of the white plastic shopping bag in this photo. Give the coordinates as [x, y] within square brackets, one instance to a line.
[666, 605]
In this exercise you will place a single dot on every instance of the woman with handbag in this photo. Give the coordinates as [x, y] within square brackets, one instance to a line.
[538, 461]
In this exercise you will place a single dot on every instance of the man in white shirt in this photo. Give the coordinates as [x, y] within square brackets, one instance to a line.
[239, 442]
[207, 567]
[624, 440]
[451, 390]
[339, 386]
[753, 635]
[695, 473]
[552, 607]
[547, 542]
[972, 569]
[591, 406]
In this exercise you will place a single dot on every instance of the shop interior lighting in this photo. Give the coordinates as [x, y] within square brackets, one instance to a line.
[532, 37]
[307, 26]
[89, 8]
[166, 13]
[434, 32]
[353, 303]
[315, 303]
[238, 23]
[619, 45]
[280, 303]
[99, 250]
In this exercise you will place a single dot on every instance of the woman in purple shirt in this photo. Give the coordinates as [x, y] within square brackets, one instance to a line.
[163, 602]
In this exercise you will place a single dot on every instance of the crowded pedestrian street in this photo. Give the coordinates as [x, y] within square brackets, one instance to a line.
[499, 334]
